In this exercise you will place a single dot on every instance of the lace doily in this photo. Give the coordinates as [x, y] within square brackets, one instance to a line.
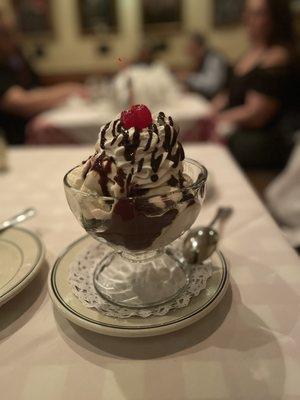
[81, 279]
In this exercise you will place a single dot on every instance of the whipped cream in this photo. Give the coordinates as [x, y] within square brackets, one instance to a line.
[133, 162]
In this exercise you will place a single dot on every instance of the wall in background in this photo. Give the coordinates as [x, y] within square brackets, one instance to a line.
[69, 51]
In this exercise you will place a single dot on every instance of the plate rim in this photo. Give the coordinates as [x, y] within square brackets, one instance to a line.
[21, 263]
[115, 330]
[20, 285]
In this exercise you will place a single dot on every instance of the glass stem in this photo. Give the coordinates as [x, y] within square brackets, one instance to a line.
[141, 257]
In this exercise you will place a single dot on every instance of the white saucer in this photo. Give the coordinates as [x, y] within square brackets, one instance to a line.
[21, 256]
[71, 307]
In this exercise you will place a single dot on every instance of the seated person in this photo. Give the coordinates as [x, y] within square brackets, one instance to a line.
[20, 95]
[261, 89]
[145, 81]
[210, 69]
[147, 54]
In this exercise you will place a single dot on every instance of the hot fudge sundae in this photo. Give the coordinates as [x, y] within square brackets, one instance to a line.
[135, 191]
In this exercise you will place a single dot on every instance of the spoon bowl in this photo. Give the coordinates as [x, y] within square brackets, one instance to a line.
[200, 244]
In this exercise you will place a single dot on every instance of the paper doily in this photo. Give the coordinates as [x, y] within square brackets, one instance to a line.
[81, 279]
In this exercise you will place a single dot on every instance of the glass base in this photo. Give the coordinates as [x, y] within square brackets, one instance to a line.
[140, 281]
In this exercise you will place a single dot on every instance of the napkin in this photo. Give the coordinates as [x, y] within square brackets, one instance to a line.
[283, 197]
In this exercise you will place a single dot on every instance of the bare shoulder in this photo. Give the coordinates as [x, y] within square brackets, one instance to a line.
[276, 57]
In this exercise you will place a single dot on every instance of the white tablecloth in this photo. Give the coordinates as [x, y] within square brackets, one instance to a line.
[248, 348]
[82, 120]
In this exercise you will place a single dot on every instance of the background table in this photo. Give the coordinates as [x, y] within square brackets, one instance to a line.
[81, 120]
[248, 348]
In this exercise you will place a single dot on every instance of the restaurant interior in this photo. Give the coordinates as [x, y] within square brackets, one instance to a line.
[174, 106]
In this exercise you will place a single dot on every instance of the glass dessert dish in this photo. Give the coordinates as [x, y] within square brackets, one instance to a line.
[141, 270]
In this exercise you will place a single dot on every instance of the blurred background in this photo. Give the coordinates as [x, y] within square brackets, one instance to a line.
[226, 70]
[81, 37]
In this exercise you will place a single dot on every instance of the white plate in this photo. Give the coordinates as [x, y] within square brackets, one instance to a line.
[69, 305]
[21, 256]
[71, 308]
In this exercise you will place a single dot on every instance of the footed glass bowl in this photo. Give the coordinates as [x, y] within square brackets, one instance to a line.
[141, 270]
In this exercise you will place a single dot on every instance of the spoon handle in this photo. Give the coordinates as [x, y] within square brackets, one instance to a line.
[16, 219]
[222, 213]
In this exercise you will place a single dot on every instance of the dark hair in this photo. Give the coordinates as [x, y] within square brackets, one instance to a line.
[198, 38]
[282, 21]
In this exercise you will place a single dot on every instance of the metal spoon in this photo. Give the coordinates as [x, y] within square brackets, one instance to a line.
[201, 242]
[16, 219]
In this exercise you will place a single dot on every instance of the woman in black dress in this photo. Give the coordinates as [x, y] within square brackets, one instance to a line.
[261, 90]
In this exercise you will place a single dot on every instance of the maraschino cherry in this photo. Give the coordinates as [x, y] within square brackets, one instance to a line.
[138, 116]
